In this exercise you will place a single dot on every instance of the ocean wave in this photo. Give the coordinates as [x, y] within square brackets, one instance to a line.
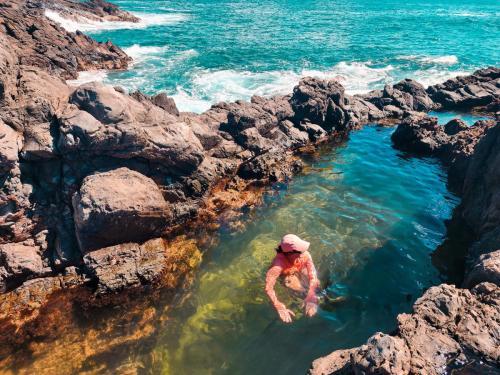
[84, 24]
[209, 87]
[431, 60]
[88, 76]
[140, 53]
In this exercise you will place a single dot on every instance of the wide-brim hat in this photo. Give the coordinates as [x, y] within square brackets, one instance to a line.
[291, 242]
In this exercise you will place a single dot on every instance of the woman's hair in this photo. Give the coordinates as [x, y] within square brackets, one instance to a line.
[280, 250]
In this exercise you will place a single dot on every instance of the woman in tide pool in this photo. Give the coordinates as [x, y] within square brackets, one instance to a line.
[295, 263]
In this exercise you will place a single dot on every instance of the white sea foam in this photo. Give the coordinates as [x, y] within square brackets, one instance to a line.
[431, 60]
[140, 53]
[88, 76]
[208, 87]
[87, 25]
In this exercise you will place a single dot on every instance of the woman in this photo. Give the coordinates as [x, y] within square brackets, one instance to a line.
[294, 262]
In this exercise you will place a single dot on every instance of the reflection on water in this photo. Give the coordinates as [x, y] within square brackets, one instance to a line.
[372, 218]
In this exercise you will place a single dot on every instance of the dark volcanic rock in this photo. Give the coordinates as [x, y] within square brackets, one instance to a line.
[453, 143]
[463, 93]
[18, 261]
[116, 207]
[449, 328]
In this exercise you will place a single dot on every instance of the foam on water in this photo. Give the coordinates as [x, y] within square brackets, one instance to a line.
[209, 87]
[431, 60]
[85, 24]
[88, 76]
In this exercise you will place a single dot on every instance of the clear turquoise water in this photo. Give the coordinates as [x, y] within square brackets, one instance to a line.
[205, 51]
[373, 217]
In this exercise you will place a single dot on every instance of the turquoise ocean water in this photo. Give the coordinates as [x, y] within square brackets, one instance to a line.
[212, 50]
[372, 214]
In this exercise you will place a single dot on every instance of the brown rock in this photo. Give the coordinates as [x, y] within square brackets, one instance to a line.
[116, 207]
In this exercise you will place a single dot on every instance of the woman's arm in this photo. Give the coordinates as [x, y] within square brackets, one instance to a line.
[271, 277]
[311, 298]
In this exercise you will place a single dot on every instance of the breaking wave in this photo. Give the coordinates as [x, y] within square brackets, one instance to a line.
[84, 24]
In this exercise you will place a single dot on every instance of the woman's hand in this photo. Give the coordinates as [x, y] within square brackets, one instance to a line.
[285, 314]
[311, 305]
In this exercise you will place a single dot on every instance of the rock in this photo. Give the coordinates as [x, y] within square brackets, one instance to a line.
[321, 102]
[117, 207]
[40, 42]
[338, 362]
[455, 126]
[386, 354]
[463, 93]
[423, 135]
[17, 262]
[420, 99]
[419, 134]
[10, 145]
[448, 329]
[314, 131]
[112, 124]
[486, 269]
[127, 265]
[273, 165]
[165, 102]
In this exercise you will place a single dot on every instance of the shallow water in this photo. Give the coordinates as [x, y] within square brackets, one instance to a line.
[205, 51]
[373, 217]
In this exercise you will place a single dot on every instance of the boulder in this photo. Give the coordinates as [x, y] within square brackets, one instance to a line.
[455, 126]
[116, 207]
[320, 102]
[109, 123]
[17, 262]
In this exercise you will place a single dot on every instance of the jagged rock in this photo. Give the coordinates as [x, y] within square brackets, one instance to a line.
[423, 135]
[383, 354]
[314, 131]
[487, 268]
[98, 10]
[463, 93]
[320, 102]
[127, 265]
[420, 134]
[117, 125]
[272, 165]
[449, 329]
[40, 42]
[420, 99]
[338, 363]
[116, 207]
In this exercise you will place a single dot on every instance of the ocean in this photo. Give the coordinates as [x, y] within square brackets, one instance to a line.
[203, 52]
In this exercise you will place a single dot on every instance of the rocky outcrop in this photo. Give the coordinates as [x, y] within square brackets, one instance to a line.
[480, 89]
[454, 143]
[449, 328]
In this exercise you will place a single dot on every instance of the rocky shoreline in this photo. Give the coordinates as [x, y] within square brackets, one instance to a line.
[101, 187]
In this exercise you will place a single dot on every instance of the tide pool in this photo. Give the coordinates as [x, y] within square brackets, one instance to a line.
[373, 218]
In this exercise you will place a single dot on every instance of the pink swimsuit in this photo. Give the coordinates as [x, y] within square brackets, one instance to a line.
[290, 265]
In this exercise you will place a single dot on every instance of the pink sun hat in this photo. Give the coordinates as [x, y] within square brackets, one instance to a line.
[291, 242]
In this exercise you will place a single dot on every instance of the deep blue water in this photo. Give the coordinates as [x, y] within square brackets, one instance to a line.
[205, 51]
